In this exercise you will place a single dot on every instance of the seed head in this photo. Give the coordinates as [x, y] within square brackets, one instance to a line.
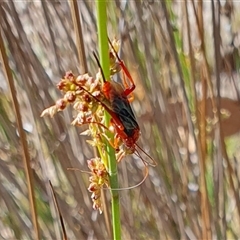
[61, 104]
[97, 180]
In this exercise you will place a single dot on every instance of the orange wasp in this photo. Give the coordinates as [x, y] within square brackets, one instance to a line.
[119, 108]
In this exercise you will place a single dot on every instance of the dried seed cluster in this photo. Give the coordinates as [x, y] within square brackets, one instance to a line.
[98, 179]
[76, 91]
[85, 94]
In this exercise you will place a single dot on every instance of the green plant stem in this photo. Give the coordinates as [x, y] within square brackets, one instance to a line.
[112, 163]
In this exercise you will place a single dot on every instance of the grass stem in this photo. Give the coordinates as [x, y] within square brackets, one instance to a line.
[112, 163]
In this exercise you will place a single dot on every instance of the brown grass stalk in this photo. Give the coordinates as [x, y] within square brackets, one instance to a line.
[79, 36]
[23, 140]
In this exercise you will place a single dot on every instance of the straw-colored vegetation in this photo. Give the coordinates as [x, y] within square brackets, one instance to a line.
[186, 70]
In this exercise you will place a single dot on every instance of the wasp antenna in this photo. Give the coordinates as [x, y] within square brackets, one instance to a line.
[115, 52]
[77, 169]
[153, 163]
[59, 213]
[135, 186]
[108, 109]
[99, 65]
[93, 122]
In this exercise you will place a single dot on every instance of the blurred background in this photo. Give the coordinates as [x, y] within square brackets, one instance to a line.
[184, 59]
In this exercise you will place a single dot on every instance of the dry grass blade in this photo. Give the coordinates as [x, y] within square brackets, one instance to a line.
[218, 165]
[50, 30]
[79, 36]
[205, 77]
[191, 55]
[59, 212]
[26, 157]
